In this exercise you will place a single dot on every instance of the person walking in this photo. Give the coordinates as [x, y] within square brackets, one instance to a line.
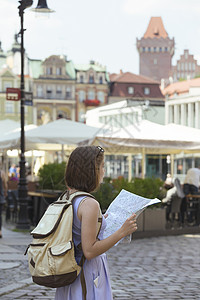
[3, 193]
[84, 172]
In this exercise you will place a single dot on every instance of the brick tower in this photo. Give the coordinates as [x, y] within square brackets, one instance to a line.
[156, 50]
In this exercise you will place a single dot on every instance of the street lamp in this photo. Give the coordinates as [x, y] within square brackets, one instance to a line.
[23, 222]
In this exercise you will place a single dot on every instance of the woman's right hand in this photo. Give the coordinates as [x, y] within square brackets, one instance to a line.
[129, 226]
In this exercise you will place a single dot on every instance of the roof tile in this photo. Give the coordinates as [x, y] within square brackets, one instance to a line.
[128, 77]
[181, 86]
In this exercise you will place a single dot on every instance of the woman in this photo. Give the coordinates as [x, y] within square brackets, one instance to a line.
[3, 192]
[84, 172]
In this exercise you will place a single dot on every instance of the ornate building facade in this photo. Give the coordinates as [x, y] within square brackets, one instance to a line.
[10, 78]
[53, 89]
[91, 88]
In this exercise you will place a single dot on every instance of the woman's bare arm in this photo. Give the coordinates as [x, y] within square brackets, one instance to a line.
[88, 214]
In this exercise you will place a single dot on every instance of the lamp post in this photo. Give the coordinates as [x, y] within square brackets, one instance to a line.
[23, 222]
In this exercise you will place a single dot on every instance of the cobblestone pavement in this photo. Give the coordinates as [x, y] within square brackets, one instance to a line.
[150, 268]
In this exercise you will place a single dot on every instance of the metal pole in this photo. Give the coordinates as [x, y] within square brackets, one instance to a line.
[23, 222]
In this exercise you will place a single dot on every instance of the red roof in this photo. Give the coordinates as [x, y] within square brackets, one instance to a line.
[129, 77]
[155, 29]
[181, 87]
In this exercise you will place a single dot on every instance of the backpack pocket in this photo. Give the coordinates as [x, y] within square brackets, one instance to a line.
[58, 255]
[36, 257]
[61, 249]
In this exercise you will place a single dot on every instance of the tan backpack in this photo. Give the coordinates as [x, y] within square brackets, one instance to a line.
[51, 255]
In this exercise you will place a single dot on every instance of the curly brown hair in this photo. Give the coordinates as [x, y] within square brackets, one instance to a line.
[83, 168]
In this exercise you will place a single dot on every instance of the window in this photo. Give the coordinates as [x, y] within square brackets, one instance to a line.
[166, 49]
[58, 71]
[155, 61]
[91, 95]
[160, 49]
[100, 96]
[81, 96]
[101, 79]
[58, 90]
[49, 90]
[81, 79]
[186, 54]
[68, 93]
[7, 84]
[149, 49]
[39, 91]
[9, 107]
[49, 71]
[146, 90]
[186, 66]
[130, 90]
[154, 49]
[143, 49]
[91, 79]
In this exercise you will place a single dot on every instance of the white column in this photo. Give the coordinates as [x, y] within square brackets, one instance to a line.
[35, 114]
[130, 175]
[54, 112]
[190, 115]
[166, 113]
[176, 114]
[183, 114]
[172, 165]
[171, 114]
[197, 112]
[143, 163]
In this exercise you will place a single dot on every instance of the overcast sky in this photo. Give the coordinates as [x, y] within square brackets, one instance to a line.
[101, 30]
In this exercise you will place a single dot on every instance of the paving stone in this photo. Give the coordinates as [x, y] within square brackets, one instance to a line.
[164, 268]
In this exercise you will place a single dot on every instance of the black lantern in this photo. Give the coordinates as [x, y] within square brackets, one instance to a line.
[42, 7]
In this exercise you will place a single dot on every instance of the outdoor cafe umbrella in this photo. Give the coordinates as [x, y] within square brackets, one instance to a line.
[60, 132]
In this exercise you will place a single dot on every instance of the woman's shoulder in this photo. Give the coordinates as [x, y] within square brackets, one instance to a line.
[90, 203]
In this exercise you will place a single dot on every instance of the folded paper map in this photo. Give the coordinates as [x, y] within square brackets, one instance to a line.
[122, 207]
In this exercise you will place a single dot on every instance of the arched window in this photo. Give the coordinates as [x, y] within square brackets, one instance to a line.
[81, 79]
[91, 78]
[101, 79]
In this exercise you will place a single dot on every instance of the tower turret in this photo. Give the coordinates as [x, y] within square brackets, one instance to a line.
[155, 50]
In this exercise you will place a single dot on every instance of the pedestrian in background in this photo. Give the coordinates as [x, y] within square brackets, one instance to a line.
[84, 172]
[190, 186]
[3, 193]
[192, 181]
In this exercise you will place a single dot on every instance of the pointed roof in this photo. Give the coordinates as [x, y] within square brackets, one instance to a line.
[155, 29]
[129, 77]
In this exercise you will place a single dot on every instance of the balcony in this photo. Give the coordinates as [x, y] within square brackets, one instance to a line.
[93, 102]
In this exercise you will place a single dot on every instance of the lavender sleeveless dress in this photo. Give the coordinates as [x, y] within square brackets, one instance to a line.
[95, 270]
